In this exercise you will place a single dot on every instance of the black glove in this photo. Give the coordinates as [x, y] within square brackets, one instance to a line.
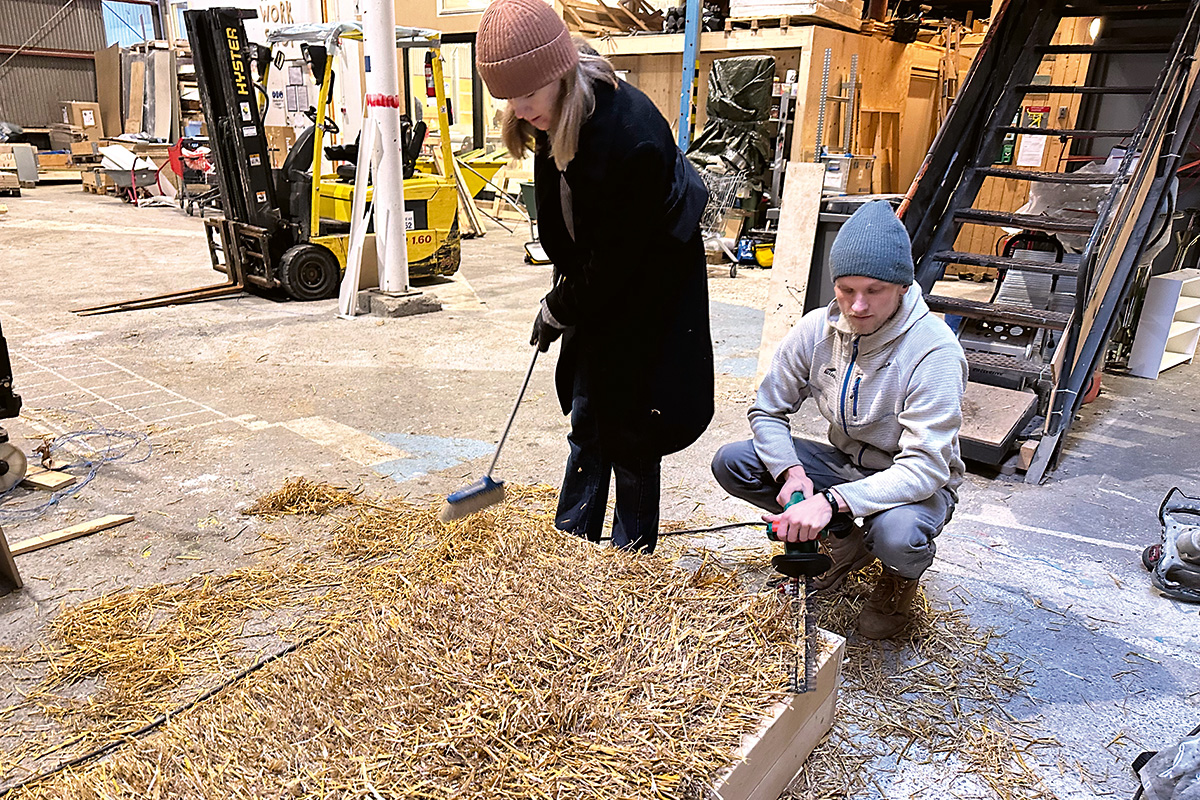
[544, 332]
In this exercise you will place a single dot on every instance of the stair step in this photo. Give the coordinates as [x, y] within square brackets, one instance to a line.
[979, 260]
[998, 312]
[1009, 365]
[1045, 177]
[1072, 133]
[1027, 221]
[1057, 88]
[1107, 47]
[1130, 11]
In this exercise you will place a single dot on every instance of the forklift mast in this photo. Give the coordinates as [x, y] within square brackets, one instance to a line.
[235, 129]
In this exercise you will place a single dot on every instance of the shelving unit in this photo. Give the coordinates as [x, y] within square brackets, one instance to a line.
[1169, 328]
[783, 110]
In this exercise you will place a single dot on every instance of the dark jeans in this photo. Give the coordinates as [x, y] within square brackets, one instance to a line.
[902, 538]
[584, 496]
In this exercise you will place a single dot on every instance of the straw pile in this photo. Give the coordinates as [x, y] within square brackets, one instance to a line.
[490, 658]
[300, 496]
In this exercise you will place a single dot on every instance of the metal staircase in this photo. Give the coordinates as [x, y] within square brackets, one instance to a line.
[1069, 332]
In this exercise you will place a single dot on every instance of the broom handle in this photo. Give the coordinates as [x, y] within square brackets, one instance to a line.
[513, 415]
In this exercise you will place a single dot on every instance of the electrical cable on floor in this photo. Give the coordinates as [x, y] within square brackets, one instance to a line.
[117, 446]
[162, 719]
[726, 527]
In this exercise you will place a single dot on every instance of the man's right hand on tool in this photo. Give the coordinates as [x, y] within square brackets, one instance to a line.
[805, 520]
[545, 329]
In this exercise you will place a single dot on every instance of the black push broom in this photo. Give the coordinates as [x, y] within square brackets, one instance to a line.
[485, 491]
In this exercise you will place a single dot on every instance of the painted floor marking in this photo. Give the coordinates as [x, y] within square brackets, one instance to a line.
[350, 443]
[1001, 517]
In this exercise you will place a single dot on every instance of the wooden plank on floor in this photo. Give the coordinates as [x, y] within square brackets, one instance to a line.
[10, 578]
[793, 257]
[47, 479]
[67, 534]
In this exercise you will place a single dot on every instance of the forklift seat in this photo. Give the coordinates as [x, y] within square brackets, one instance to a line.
[293, 182]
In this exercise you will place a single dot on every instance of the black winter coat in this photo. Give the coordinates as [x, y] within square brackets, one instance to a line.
[633, 285]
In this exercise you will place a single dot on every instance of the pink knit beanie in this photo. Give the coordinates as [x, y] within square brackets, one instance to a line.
[522, 45]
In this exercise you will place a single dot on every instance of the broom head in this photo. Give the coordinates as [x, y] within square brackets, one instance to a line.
[476, 497]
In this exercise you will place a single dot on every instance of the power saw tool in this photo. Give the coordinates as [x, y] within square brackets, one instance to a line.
[800, 562]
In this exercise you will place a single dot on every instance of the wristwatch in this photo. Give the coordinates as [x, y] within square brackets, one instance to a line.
[834, 505]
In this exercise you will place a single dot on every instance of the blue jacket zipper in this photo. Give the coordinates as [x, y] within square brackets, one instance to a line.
[857, 381]
[846, 384]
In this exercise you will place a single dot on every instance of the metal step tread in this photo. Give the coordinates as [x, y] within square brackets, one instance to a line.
[1045, 177]
[980, 260]
[1000, 362]
[1126, 11]
[1113, 47]
[1028, 221]
[1056, 88]
[1072, 133]
[998, 312]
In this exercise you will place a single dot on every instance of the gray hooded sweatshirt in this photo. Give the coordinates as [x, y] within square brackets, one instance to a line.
[893, 399]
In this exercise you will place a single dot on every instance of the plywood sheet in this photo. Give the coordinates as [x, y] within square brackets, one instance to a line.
[108, 89]
[137, 94]
[991, 414]
[793, 257]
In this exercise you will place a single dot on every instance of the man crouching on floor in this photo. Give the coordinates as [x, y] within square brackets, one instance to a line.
[889, 376]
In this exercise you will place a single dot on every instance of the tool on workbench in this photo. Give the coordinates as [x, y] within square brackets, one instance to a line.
[485, 491]
[800, 562]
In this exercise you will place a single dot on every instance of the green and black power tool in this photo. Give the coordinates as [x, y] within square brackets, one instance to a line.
[800, 562]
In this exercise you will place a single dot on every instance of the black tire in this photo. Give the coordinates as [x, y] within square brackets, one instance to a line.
[309, 272]
[1151, 556]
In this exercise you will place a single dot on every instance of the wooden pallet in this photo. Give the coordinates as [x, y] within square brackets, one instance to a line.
[10, 192]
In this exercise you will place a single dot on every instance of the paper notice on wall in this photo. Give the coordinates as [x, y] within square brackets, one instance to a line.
[292, 102]
[1032, 148]
[295, 75]
[89, 118]
[1031, 151]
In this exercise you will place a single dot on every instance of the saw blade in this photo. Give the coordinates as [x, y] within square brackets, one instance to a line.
[12, 466]
[801, 667]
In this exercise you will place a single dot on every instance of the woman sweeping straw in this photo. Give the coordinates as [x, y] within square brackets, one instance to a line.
[619, 215]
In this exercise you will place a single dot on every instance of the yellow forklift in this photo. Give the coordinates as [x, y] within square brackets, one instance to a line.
[288, 228]
[430, 200]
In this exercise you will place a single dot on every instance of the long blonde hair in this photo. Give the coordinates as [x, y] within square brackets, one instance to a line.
[576, 102]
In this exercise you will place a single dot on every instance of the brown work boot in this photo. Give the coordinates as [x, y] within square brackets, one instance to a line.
[848, 555]
[888, 609]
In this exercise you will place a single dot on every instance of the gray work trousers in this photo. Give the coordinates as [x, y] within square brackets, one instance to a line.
[901, 537]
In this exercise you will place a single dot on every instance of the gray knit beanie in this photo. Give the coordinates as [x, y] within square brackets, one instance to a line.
[873, 243]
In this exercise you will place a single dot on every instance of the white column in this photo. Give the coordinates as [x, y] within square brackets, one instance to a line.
[383, 110]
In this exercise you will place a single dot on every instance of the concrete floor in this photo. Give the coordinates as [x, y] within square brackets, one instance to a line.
[237, 395]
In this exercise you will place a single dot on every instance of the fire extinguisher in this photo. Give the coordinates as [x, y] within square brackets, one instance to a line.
[430, 89]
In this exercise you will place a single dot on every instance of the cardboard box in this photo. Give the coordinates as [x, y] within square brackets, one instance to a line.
[280, 139]
[86, 117]
[8, 161]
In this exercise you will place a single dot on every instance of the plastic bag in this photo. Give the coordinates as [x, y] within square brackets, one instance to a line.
[1174, 773]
